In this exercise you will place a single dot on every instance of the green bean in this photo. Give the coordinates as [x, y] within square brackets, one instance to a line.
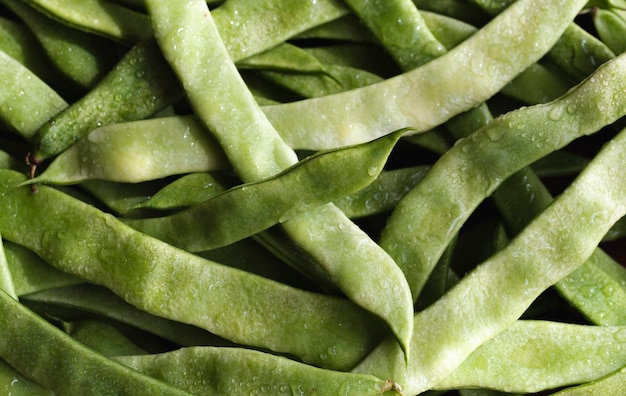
[382, 194]
[428, 96]
[26, 102]
[98, 16]
[283, 57]
[532, 356]
[237, 371]
[536, 84]
[577, 53]
[554, 244]
[20, 44]
[148, 273]
[121, 198]
[102, 337]
[66, 302]
[186, 191]
[190, 41]
[45, 354]
[475, 166]
[83, 58]
[253, 207]
[400, 24]
[611, 384]
[31, 274]
[346, 28]
[6, 280]
[596, 289]
[137, 151]
[16, 384]
[611, 28]
[335, 79]
[559, 163]
[136, 88]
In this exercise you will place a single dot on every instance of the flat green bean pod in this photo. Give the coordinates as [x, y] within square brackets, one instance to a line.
[427, 96]
[26, 102]
[137, 151]
[98, 16]
[102, 337]
[53, 359]
[135, 88]
[612, 384]
[611, 28]
[6, 280]
[81, 57]
[216, 91]
[532, 356]
[15, 383]
[237, 371]
[102, 303]
[82, 240]
[475, 166]
[553, 245]
[253, 207]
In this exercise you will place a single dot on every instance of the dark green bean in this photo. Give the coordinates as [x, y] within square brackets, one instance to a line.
[148, 273]
[53, 359]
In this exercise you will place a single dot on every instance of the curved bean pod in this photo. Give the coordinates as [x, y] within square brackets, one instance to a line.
[399, 22]
[190, 41]
[81, 57]
[102, 337]
[427, 96]
[97, 16]
[136, 88]
[6, 279]
[137, 151]
[98, 301]
[475, 166]
[224, 370]
[253, 207]
[532, 356]
[612, 384]
[148, 273]
[26, 102]
[553, 245]
[53, 359]
[577, 53]
[611, 28]
[15, 383]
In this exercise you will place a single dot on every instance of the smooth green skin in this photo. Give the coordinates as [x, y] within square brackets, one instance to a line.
[186, 191]
[553, 245]
[238, 371]
[81, 57]
[160, 279]
[427, 96]
[532, 356]
[137, 151]
[596, 289]
[17, 41]
[577, 53]
[461, 10]
[121, 198]
[135, 88]
[383, 194]
[66, 302]
[611, 28]
[611, 385]
[283, 57]
[470, 171]
[250, 208]
[336, 78]
[26, 102]
[15, 383]
[31, 274]
[191, 43]
[53, 359]
[98, 16]
[6, 280]
[102, 337]
[399, 22]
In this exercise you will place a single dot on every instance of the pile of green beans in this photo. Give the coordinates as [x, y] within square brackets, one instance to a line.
[328, 197]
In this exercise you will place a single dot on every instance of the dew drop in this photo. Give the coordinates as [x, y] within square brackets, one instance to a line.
[556, 113]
